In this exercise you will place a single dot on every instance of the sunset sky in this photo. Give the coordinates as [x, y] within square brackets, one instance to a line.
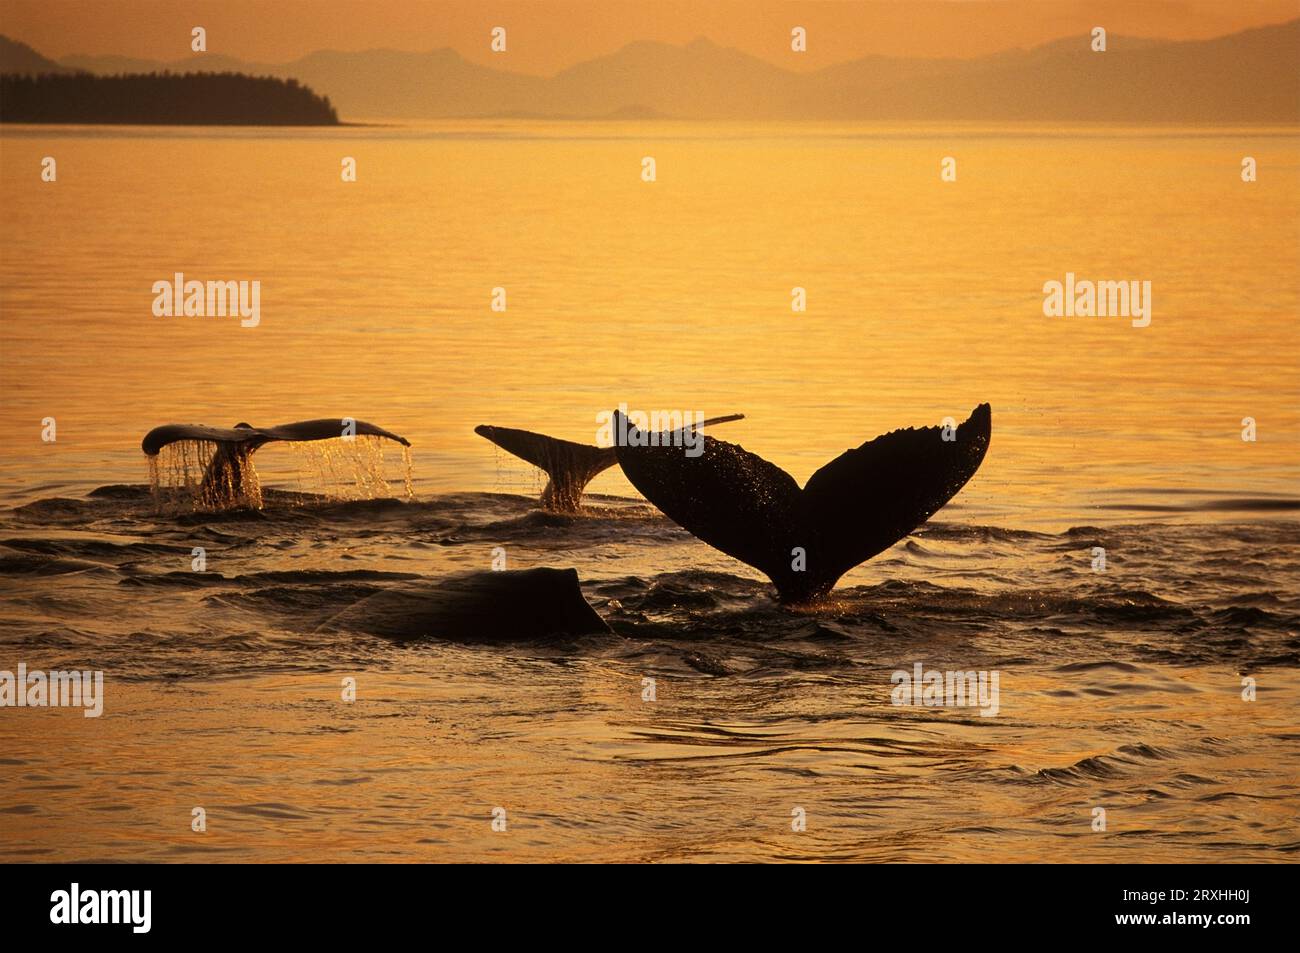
[545, 37]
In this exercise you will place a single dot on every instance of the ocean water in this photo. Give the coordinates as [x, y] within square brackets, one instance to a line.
[1120, 689]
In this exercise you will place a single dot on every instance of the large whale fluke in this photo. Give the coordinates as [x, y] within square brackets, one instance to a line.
[227, 475]
[323, 428]
[853, 508]
[507, 606]
[570, 466]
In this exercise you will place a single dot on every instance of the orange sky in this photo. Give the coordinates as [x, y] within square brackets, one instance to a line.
[546, 36]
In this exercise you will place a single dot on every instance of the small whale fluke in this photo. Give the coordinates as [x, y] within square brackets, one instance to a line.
[232, 463]
[570, 466]
[853, 508]
[510, 605]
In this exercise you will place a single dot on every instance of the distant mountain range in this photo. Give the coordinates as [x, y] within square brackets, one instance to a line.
[1247, 77]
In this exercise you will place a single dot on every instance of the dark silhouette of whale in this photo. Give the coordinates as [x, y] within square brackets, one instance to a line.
[510, 605]
[570, 466]
[853, 508]
[235, 446]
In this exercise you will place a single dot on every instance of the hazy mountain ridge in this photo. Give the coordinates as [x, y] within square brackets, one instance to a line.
[16, 57]
[1244, 77]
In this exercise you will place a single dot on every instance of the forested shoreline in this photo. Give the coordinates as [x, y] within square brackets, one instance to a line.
[162, 99]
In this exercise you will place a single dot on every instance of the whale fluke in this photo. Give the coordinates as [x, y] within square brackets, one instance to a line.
[508, 606]
[322, 428]
[853, 508]
[225, 478]
[570, 466]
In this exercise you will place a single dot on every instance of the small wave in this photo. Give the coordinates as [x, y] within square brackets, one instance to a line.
[1095, 666]
[37, 564]
[1101, 767]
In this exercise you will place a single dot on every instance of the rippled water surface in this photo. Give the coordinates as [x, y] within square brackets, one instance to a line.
[1120, 690]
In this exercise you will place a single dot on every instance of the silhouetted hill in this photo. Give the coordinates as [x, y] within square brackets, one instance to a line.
[1246, 77]
[162, 98]
[393, 84]
[700, 81]
[389, 84]
[18, 57]
[108, 65]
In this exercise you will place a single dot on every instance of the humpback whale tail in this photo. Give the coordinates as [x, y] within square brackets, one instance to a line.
[570, 466]
[804, 540]
[229, 476]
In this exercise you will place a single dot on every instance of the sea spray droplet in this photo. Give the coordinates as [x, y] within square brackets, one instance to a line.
[177, 478]
[407, 471]
[335, 469]
[349, 470]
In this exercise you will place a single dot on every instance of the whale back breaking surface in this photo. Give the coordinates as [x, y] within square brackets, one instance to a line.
[853, 508]
[506, 606]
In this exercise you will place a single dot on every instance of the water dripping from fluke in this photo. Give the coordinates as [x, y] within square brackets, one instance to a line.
[193, 467]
